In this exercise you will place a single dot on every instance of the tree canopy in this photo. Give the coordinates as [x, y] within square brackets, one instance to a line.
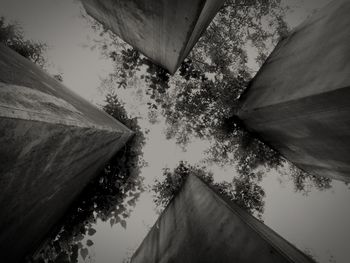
[11, 35]
[201, 99]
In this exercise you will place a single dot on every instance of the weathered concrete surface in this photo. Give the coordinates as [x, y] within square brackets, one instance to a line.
[199, 226]
[299, 102]
[52, 143]
[163, 30]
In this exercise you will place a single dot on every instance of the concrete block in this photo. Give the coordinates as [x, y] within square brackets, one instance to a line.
[299, 102]
[163, 30]
[199, 226]
[52, 143]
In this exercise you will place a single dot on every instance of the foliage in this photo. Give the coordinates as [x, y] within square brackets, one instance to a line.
[201, 99]
[247, 193]
[243, 190]
[220, 54]
[11, 35]
[58, 77]
[165, 190]
[109, 197]
[304, 182]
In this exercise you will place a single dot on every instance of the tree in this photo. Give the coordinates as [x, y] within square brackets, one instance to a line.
[109, 197]
[243, 190]
[202, 98]
[11, 35]
[304, 182]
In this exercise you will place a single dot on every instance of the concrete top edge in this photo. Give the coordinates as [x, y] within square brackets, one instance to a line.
[17, 71]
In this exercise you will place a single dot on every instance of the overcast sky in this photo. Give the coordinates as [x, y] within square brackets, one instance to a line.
[319, 222]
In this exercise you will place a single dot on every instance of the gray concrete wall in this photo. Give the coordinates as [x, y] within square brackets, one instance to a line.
[299, 102]
[163, 30]
[199, 226]
[52, 143]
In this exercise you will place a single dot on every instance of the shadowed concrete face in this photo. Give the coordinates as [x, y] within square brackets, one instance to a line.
[163, 30]
[200, 227]
[52, 143]
[299, 102]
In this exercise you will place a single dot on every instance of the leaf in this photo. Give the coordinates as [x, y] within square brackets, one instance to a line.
[80, 245]
[84, 252]
[91, 231]
[123, 223]
[112, 221]
[79, 237]
[89, 243]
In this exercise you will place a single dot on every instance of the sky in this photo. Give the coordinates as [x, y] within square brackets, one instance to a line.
[318, 223]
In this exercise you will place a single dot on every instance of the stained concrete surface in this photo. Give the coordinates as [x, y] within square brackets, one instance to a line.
[299, 102]
[163, 30]
[199, 226]
[52, 144]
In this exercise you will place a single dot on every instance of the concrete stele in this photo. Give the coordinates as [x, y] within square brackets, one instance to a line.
[53, 143]
[298, 102]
